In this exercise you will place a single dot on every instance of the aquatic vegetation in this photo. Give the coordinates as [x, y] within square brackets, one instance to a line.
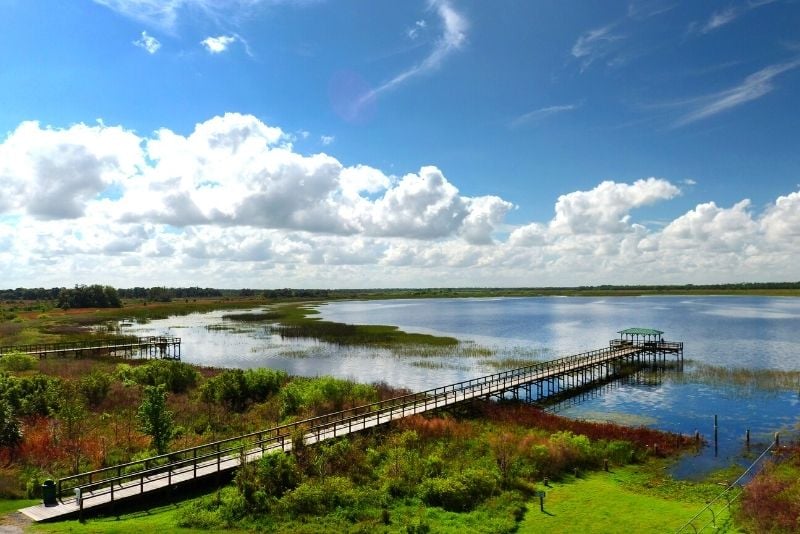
[253, 316]
[509, 363]
[764, 379]
[294, 321]
[428, 364]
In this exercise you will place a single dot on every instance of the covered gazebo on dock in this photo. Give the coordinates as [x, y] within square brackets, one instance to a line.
[641, 335]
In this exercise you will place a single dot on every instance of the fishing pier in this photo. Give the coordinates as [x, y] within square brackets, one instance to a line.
[72, 495]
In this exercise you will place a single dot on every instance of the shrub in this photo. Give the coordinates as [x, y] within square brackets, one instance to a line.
[323, 393]
[176, 376]
[573, 450]
[94, 387]
[771, 501]
[267, 479]
[17, 361]
[459, 493]
[319, 497]
[236, 388]
[31, 395]
[10, 428]
[620, 452]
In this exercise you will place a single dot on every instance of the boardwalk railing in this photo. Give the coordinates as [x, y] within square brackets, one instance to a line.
[129, 344]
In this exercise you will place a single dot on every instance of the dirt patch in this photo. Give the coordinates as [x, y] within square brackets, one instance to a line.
[14, 523]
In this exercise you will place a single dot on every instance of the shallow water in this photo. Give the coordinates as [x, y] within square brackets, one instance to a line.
[748, 332]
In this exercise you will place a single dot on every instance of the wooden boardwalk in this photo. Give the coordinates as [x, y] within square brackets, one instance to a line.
[126, 481]
[137, 347]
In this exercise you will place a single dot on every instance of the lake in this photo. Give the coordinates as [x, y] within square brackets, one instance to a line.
[746, 332]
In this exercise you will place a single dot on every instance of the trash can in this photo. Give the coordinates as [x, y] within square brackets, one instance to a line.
[49, 493]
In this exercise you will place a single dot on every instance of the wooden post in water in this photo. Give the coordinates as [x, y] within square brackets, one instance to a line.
[777, 439]
[747, 439]
[716, 443]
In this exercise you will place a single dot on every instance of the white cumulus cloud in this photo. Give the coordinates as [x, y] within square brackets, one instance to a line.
[232, 203]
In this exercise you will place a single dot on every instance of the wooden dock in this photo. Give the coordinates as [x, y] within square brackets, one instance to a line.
[102, 487]
[137, 347]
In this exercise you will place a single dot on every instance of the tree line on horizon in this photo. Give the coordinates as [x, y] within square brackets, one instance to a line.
[98, 296]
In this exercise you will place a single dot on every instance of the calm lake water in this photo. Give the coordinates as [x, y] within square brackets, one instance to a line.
[748, 332]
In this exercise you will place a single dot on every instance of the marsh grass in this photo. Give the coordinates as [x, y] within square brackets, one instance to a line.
[428, 364]
[509, 363]
[253, 316]
[460, 350]
[308, 352]
[764, 379]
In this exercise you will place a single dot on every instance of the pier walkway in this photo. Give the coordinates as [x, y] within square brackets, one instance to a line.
[537, 382]
[134, 347]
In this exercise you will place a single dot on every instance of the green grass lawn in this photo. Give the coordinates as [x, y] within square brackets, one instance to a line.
[12, 505]
[154, 520]
[624, 501]
[607, 503]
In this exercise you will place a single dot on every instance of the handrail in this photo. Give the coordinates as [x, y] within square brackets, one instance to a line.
[352, 417]
[93, 344]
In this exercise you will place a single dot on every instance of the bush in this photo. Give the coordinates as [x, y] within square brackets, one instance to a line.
[771, 501]
[176, 376]
[236, 388]
[10, 428]
[266, 480]
[31, 395]
[459, 493]
[319, 497]
[17, 361]
[620, 452]
[323, 393]
[572, 450]
[94, 387]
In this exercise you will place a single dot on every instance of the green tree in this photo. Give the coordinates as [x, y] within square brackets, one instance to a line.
[73, 422]
[10, 430]
[154, 418]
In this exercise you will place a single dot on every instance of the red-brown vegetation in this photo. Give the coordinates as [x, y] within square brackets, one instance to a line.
[437, 427]
[529, 416]
[771, 501]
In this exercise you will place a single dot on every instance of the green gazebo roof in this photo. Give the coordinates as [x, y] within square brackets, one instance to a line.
[640, 332]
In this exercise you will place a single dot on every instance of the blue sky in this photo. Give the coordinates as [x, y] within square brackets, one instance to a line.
[444, 142]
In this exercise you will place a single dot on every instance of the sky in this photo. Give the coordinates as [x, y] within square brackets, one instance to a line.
[384, 143]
